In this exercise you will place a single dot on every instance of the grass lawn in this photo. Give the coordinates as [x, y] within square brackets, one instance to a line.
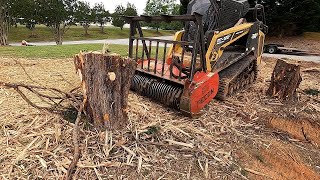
[64, 51]
[76, 33]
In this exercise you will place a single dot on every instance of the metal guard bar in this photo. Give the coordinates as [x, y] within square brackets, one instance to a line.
[169, 18]
[153, 71]
[184, 43]
[196, 46]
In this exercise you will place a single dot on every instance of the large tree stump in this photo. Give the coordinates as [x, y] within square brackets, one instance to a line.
[285, 80]
[106, 82]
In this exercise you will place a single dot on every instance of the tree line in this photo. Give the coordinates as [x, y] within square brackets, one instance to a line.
[58, 16]
[285, 17]
[291, 17]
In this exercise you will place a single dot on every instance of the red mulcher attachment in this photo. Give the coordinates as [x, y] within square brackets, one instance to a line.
[176, 77]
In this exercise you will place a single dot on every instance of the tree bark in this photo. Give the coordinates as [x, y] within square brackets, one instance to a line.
[285, 80]
[86, 27]
[58, 31]
[59, 36]
[102, 28]
[58, 39]
[3, 36]
[106, 82]
[3, 28]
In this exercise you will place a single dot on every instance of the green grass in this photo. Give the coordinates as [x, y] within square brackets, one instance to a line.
[312, 92]
[64, 51]
[76, 33]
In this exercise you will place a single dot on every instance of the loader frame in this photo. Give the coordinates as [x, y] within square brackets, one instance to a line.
[186, 76]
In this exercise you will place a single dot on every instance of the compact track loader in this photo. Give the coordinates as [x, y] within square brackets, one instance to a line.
[216, 54]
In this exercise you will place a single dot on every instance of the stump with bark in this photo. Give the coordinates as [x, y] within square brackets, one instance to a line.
[106, 82]
[285, 80]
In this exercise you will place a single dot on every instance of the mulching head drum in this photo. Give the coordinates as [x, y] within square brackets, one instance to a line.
[159, 91]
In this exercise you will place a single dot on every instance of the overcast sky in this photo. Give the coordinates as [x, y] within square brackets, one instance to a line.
[111, 4]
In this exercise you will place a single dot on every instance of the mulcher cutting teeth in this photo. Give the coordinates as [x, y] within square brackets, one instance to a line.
[162, 92]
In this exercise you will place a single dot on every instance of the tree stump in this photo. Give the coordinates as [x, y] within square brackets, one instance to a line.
[106, 81]
[285, 80]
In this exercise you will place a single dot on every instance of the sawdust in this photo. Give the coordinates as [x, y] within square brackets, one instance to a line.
[278, 161]
[299, 129]
[158, 142]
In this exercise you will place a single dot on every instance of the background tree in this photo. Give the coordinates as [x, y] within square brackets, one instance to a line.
[83, 15]
[158, 7]
[4, 10]
[291, 17]
[184, 6]
[101, 15]
[58, 16]
[27, 12]
[7, 15]
[309, 10]
[131, 10]
[175, 25]
[117, 19]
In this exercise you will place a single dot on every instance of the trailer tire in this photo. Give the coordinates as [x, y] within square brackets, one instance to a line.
[272, 49]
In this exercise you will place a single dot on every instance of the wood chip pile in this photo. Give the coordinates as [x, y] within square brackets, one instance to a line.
[157, 143]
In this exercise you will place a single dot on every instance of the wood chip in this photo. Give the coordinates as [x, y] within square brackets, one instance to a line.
[23, 153]
[128, 150]
[139, 164]
[179, 143]
[42, 162]
[257, 173]
[104, 164]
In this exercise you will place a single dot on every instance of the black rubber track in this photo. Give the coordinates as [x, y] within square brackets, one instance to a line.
[232, 74]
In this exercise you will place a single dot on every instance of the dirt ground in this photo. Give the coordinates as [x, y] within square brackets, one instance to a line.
[248, 136]
[299, 42]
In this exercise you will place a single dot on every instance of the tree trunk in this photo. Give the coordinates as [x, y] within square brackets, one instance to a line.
[106, 82]
[59, 37]
[3, 35]
[102, 28]
[3, 29]
[58, 32]
[285, 80]
[86, 27]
